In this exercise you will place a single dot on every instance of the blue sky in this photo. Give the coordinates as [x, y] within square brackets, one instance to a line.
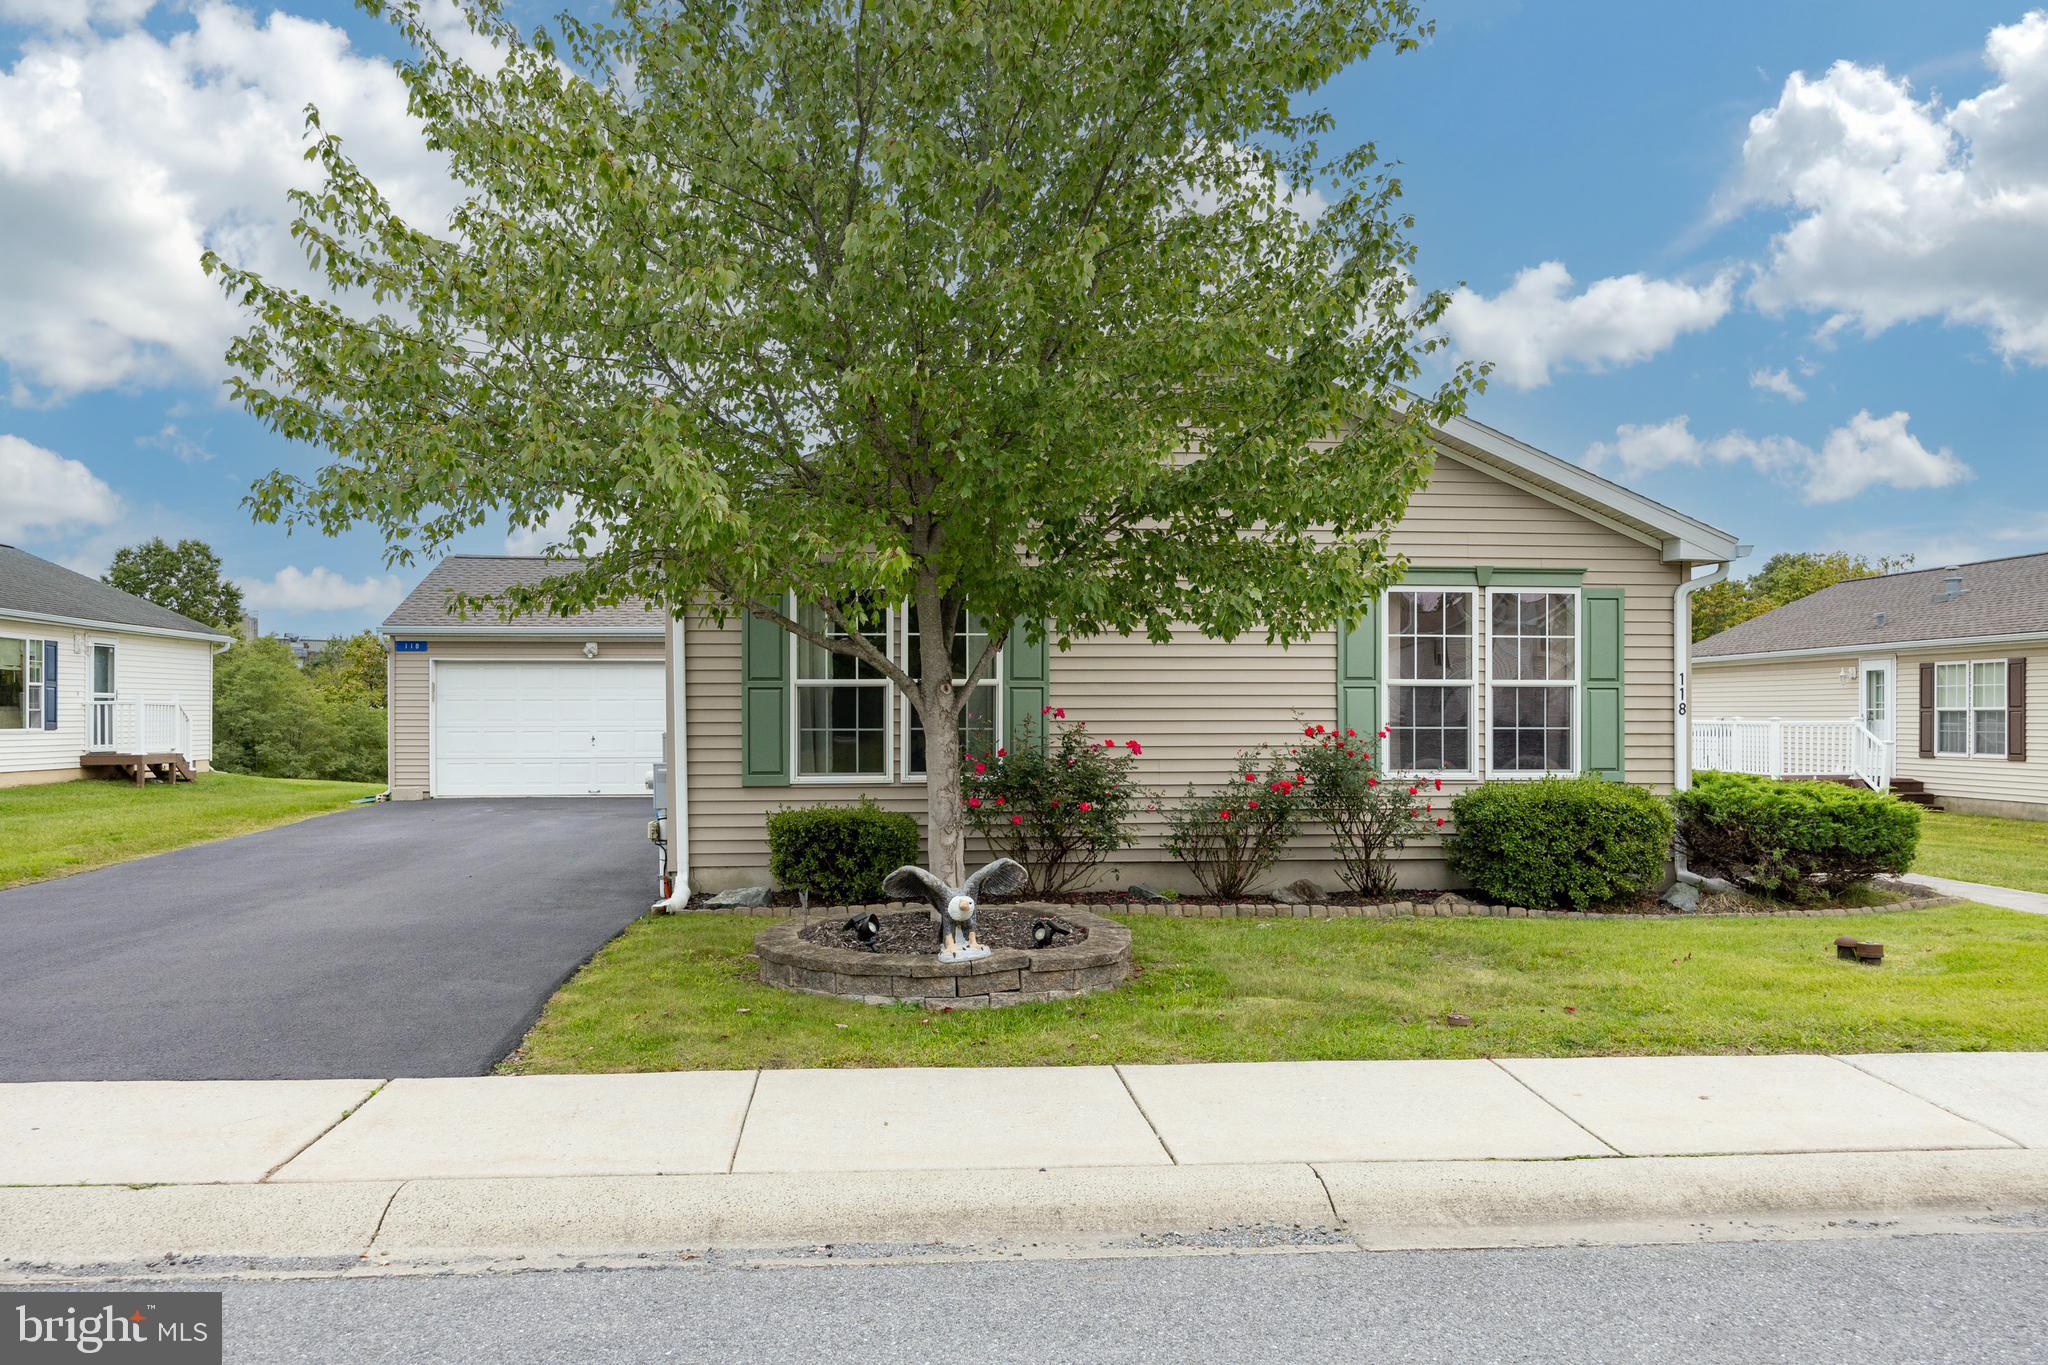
[1782, 266]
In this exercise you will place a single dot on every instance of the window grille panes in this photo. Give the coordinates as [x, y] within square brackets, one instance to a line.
[1430, 649]
[1532, 662]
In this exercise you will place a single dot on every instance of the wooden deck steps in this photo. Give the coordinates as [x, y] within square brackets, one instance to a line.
[1909, 789]
[140, 768]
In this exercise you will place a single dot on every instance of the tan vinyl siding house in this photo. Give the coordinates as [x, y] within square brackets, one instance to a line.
[1495, 515]
[88, 671]
[1874, 648]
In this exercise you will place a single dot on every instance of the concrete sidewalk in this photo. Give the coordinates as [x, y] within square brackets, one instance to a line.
[2010, 898]
[1410, 1150]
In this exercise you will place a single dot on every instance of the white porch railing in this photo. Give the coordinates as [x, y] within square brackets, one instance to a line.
[1792, 748]
[139, 725]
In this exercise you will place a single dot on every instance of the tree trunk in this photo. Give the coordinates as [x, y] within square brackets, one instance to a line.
[945, 818]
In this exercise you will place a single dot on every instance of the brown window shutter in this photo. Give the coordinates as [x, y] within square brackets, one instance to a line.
[2016, 710]
[1927, 710]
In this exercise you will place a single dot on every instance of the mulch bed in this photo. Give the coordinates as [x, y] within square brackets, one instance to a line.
[918, 932]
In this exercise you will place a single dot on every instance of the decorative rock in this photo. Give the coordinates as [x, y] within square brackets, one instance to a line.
[1300, 892]
[1458, 1020]
[1718, 887]
[1681, 897]
[1138, 891]
[740, 897]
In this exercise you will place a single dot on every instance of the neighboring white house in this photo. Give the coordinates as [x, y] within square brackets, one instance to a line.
[1920, 682]
[95, 678]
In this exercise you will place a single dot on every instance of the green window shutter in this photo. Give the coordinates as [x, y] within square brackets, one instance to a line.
[1027, 684]
[1601, 670]
[1358, 674]
[764, 703]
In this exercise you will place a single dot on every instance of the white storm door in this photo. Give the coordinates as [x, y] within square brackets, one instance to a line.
[585, 728]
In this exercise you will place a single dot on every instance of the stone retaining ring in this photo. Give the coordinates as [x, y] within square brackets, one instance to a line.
[1007, 976]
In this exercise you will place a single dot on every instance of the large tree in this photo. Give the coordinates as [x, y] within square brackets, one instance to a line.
[1057, 310]
[185, 577]
[1784, 578]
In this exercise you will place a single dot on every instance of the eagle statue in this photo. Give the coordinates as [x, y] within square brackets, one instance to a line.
[955, 907]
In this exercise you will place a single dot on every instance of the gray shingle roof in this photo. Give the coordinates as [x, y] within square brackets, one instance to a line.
[427, 607]
[35, 585]
[2000, 597]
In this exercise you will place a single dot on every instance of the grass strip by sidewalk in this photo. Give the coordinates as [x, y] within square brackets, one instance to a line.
[66, 827]
[1984, 848]
[679, 992]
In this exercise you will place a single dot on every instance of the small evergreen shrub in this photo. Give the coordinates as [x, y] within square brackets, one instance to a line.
[1784, 839]
[1059, 811]
[1229, 838]
[1369, 815]
[1559, 841]
[839, 854]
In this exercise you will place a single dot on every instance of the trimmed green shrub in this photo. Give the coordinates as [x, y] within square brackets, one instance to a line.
[1557, 841]
[1785, 838]
[839, 854]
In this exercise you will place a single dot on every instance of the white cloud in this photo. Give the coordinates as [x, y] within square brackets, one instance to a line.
[320, 589]
[1866, 452]
[1778, 381]
[74, 14]
[1873, 452]
[172, 440]
[539, 540]
[1904, 209]
[1537, 325]
[124, 155]
[43, 494]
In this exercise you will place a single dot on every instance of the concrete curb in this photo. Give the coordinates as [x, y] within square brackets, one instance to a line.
[1373, 1206]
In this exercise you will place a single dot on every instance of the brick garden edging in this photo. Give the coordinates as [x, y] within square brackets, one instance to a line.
[1007, 976]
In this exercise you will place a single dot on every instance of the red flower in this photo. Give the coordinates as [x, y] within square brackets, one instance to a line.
[1109, 744]
[1251, 805]
[1309, 730]
[1383, 733]
[1351, 734]
[1016, 819]
[1086, 807]
[1412, 812]
[999, 800]
[974, 803]
[1439, 820]
[1298, 777]
[981, 767]
[1414, 791]
[1045, 710]
[1222, 815]
[1133, 746]
[1002, 753]
[1439, 784]
[1372, 781]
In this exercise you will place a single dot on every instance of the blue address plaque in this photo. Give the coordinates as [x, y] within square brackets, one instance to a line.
[409, 646]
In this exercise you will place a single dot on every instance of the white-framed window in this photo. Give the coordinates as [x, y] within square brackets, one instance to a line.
[1970, 709]
[979, 718]
[21, 683]
[1431, 679]
[1532, 665]
[840, 704]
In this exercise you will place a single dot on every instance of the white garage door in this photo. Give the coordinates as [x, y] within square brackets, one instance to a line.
[588, 728]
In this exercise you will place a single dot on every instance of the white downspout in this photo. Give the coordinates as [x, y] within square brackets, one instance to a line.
[678, 769]
[1681, 668]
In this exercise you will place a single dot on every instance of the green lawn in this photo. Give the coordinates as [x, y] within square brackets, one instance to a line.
[1985, 848]
[71, 826]
[678, 992]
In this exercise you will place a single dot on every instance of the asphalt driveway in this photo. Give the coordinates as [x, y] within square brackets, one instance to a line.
[407, 939]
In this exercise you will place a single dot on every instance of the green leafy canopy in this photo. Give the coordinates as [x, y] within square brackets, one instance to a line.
[926, 300]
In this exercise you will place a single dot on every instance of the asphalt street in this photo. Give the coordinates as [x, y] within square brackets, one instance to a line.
[1861, 1300]
[406, 939]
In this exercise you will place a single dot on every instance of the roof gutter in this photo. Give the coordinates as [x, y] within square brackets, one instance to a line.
[1876, 646]
[89, 624]
[391, 632]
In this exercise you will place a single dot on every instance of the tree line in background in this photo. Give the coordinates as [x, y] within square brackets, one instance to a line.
[1783, 578]
[271, 716]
